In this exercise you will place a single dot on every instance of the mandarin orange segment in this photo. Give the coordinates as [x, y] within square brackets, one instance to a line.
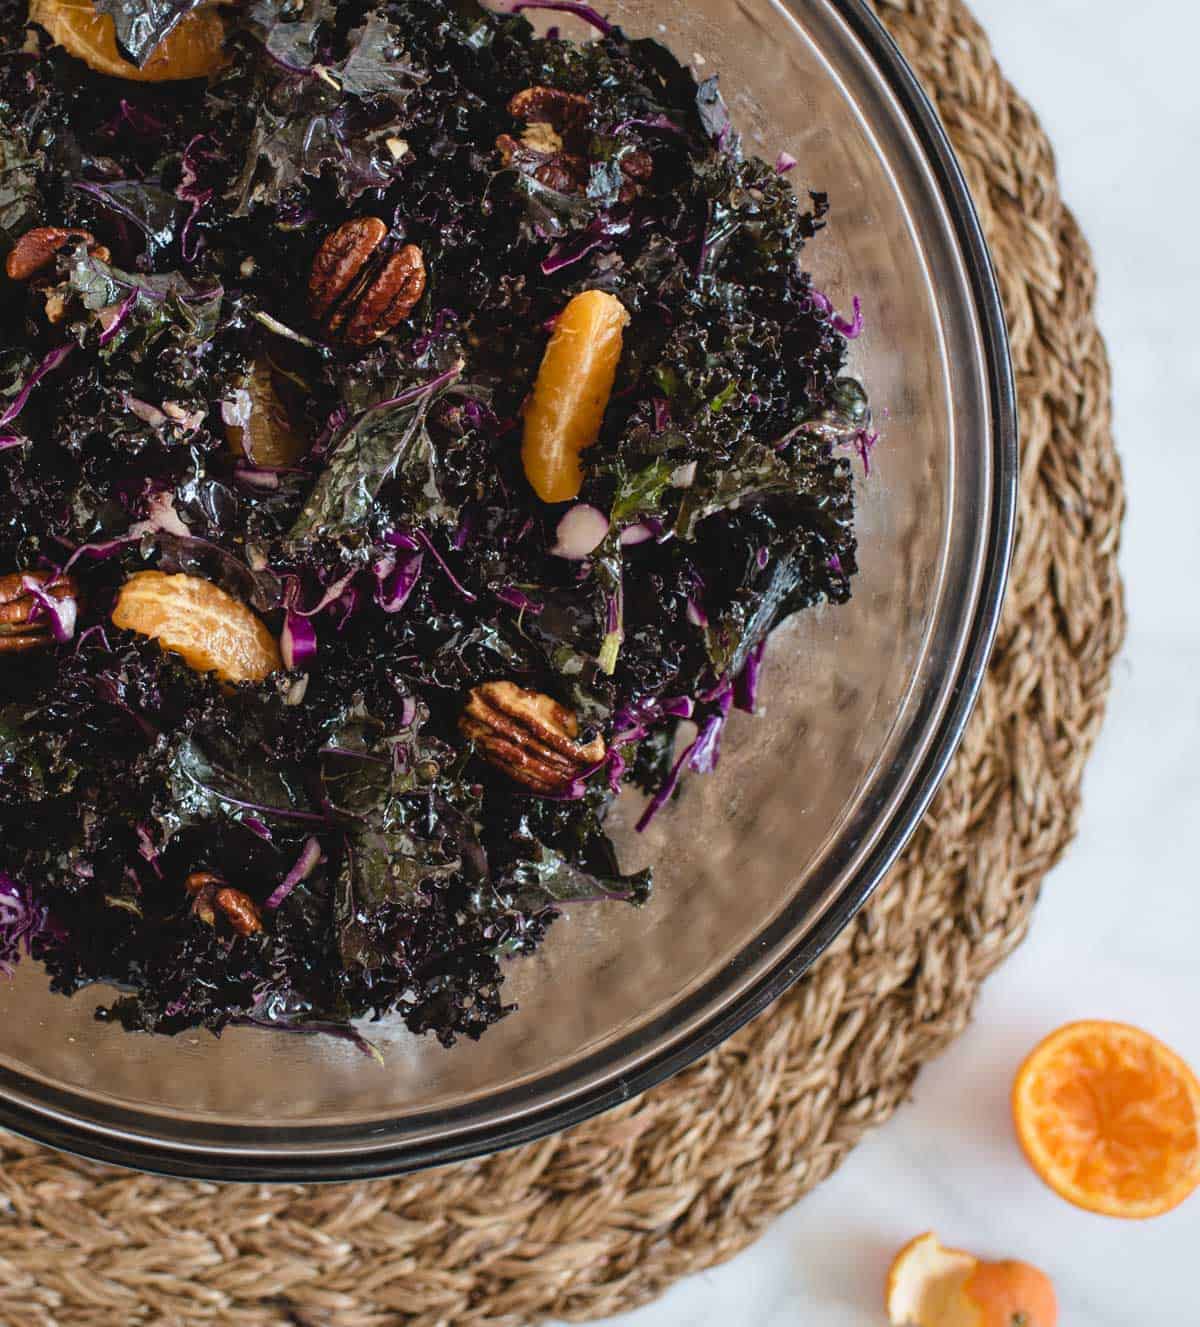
[194, 48]
[1109, 1118]
[191, 617]
[574, 384]
[268, 438]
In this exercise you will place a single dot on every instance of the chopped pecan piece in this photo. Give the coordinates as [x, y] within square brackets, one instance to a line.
[531, 737]
[356, 291]
[202, 887]
[23, 624]
[565, 173]
[241, 910]
[553, 147]
[542, 105]
[637, 165]
[544, 138]
[35, 250]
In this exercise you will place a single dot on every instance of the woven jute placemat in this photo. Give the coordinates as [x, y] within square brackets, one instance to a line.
[606, 1216]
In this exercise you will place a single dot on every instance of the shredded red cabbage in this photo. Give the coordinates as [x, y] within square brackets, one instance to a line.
[310, 858]
[21, 921]
[579, 10]
[297, 640]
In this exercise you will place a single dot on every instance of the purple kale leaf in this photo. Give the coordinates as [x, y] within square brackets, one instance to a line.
[318, 106]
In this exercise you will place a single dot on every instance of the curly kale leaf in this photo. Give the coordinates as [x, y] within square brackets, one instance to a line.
[409, 824]
[389, 441]
[547, 878]
[142, 25]
[377, 64]
[757, 473]
[145, 307]
[156, 212]
[310, 116]
[34, 764]
[208, 779]
[20, 201]
[555, 853]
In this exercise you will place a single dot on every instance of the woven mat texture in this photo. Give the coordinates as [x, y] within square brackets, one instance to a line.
[608, 1215]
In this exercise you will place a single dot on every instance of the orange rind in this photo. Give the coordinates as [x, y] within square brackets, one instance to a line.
[929, 1285]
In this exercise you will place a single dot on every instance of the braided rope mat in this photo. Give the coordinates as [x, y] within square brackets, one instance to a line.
[608, 1215]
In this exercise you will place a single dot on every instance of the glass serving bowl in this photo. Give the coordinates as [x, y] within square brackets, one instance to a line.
[758, 866]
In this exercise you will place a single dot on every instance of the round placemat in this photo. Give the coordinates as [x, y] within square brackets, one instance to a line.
[607, 1215]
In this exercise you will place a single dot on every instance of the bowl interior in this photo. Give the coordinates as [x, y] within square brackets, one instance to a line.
[810, 797]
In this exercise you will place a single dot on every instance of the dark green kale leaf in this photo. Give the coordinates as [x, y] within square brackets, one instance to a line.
[142, 25]
[551, 853]
[144, 307]
[155, 211]
[757, 473]
[715, 118]
[20, 199]
[409, 824]
[385, 443]
[377, 64]
[34, 764]
[208, 778]
[288, 31]
[547, 877]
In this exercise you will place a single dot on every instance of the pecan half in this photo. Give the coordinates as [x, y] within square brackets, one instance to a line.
[23, 626]
[35, 250]
[531, 737]
[542, 105]
[199, 880]
[389, 299]
[241, 910]
[357, 292]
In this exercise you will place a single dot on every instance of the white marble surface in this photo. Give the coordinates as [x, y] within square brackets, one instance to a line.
[1117, 934]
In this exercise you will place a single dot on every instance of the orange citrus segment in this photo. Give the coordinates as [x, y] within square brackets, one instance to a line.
[192, 49]
[1109, 1118]
[213, 631]
[574, 384]
[268, 437]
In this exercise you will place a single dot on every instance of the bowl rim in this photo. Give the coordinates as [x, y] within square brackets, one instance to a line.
[55, 1126]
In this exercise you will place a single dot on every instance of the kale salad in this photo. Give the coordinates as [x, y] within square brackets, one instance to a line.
[411, 429]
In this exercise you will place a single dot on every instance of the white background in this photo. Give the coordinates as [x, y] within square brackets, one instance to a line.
[1117, 934]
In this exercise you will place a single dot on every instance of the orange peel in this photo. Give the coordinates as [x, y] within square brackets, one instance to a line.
[929, 1285]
